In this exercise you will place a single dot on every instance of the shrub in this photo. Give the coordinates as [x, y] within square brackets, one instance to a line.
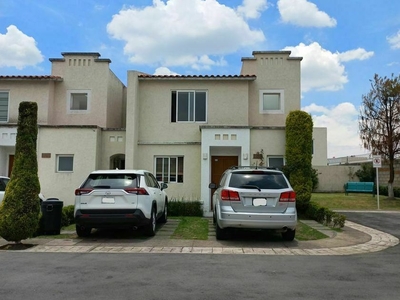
[324, 215]
[67, 216]
[178, 208]
[20, 209]
[366, 173]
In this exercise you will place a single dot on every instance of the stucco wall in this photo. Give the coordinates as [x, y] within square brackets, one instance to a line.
[27, 90]
[275, 71]
[271, 141]
[333, 178]
[80, 142]
[113, 142]
[115, 100]
[320, 147]
[190, 188]
[226, 105]
[94, 78]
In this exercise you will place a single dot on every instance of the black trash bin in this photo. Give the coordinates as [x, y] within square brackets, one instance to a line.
[52, 213]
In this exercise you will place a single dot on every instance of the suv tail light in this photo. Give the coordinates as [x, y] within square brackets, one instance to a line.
[137, 191]
[79, 192]
[228, 195]
[288, 197]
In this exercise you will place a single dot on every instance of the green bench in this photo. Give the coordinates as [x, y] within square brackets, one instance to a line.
[359, 187]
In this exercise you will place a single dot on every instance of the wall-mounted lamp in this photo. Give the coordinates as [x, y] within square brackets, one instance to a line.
[205, 156]
[245, 156]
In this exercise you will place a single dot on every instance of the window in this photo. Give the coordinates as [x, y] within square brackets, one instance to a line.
[65, 163]
[169, 169]
[276, 162]
[78, 101]
[271, 102]
[189, 106]
[4, 106]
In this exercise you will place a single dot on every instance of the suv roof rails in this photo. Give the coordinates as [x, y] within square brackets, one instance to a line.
[253, 167]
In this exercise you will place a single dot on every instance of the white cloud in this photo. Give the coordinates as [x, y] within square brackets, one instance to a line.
[359, 54]
[251, 9]
[394, 40]
[341, 122]
[18, 50]
[304, 13]
[164, 71]
[323, 70]
[193, 33]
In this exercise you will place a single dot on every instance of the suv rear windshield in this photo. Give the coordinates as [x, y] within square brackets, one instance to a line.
[264, 180]
[112, 181]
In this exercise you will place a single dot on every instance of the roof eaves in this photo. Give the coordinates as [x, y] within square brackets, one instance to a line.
[31, 77]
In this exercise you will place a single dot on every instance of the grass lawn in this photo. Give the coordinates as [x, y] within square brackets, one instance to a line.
[191, 228]
[354, 201]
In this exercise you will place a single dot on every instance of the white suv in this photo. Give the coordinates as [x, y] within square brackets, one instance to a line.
[120, 199]
[255, 198]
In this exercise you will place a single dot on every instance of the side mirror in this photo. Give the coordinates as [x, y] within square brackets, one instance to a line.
[212, 186]
[164, 186]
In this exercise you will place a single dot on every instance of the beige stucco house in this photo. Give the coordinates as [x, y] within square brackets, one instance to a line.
[186, 129]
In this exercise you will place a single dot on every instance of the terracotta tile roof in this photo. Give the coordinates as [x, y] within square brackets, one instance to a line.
[222, 77]
[30, 77]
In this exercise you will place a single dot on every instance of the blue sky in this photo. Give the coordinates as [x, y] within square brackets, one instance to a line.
[343, 44]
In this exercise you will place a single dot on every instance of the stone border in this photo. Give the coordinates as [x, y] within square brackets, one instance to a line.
[379, 241]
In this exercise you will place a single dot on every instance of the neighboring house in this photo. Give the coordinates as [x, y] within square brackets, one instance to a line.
[186, 129]
[80, 115]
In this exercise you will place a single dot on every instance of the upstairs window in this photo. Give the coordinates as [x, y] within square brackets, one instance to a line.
[78, 101]
[271, 102]
[4, 99]
[189, 106]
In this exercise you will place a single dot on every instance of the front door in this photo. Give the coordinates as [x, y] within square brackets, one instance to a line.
[10, 164]
[218, 165]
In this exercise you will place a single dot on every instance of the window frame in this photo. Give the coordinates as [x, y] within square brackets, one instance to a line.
[168, 175]
[69, 101]
[8, 106]
[276, 156]
[191, 106]
[272, 111]
[58, 156]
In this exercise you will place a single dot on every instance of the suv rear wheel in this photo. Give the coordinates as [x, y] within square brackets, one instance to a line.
[150, 229]
[164, 216]
[289, 235]
[82, 231]
[221, 234]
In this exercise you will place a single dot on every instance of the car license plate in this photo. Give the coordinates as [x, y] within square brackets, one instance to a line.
[108, 200]
[259, 202]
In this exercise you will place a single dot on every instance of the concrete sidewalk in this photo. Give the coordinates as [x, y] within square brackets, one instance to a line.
[354, 239]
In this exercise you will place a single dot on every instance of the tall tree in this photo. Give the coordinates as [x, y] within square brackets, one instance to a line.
[20, 209]
[379, 121]
[299, 128]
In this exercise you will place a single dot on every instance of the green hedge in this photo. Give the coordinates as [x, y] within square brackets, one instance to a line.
[178, 208]
[383, 190]
[324, 215]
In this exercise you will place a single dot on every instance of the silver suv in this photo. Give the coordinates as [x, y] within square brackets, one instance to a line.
[255, 198]
[120, 199]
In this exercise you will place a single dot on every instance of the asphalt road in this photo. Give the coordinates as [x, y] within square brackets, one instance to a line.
[189, 276]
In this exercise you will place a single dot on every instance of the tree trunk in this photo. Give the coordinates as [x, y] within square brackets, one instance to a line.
[390, 190]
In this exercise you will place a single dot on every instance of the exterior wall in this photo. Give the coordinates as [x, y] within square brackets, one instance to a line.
[112, 142]
[77, 76]
[271, 141]
[274, 71]
[320, 145]
[156, 125]
[27, 90]
[53, 141]
[115, 102]
[132, 124]
[332, 178]
[190, 188]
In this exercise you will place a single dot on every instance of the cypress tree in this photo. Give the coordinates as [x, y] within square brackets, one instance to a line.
[298, 169]
[20, 209]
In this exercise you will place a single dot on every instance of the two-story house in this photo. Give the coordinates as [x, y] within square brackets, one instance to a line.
[186, 129]
[189, 129]
[80, 115]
